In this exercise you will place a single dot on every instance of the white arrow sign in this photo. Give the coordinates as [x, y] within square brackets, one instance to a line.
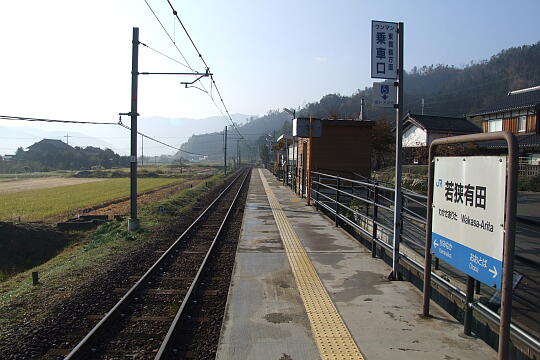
[435, 243]
[493, 271]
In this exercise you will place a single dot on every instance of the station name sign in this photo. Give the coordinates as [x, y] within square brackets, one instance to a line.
[468, 215]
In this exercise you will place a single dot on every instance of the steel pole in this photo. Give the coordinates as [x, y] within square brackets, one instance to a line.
[469, 298]
[310, 155]
[509, 244]
[133, 222]
[397, 197]
[225, 151]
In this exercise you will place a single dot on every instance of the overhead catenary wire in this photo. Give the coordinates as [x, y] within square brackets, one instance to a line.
[227, 114]
[163, 54]
[169, 35]
[213, 81]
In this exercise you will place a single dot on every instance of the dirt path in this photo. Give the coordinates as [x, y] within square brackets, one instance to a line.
[41, 183]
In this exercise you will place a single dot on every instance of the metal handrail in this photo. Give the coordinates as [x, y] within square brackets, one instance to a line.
[517, 332]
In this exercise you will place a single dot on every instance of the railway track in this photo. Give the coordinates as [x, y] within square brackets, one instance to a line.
[145, 322]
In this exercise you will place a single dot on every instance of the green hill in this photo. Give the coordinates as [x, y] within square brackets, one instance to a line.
[446, 90]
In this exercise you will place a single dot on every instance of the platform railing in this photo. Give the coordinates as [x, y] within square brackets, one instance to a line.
[367, 206]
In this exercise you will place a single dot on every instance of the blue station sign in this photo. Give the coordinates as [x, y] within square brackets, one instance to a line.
[468, 215]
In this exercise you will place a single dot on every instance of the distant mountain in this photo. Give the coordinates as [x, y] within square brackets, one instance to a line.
[446, 90]
[211, 144]
[12, 138]
[173, 131]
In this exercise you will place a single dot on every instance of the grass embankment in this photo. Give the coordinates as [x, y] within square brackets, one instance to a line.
[34, 205]
[95, 252]
[414, 177]
[35, 175]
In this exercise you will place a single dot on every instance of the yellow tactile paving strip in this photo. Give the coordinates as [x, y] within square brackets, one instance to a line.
[331, 335]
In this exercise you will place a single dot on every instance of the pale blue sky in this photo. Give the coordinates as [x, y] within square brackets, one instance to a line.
[71, 59]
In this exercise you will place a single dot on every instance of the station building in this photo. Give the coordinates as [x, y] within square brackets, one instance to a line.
[344, 147]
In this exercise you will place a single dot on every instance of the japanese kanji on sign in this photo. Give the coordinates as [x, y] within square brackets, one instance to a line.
[384, 50]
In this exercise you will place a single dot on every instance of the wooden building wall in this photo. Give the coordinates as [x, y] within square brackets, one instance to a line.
[511, 124]
[345, 145]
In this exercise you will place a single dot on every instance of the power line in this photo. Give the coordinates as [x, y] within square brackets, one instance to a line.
[21, 118]
[164, 144]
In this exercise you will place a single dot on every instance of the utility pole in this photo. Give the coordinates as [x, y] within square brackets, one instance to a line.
[399, 155]
[238, 152]
[67, 138]
[142, 150]
[362, 104]
[225, 151]
[133, 222]
[422, 106]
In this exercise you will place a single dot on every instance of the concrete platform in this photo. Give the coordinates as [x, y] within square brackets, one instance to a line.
[266, 317]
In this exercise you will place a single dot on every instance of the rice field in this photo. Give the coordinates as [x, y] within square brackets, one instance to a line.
[39, 204]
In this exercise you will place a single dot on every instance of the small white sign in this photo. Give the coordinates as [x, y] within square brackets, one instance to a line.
[384, 94]
[133, 159]
[384, 50]
[468, 215]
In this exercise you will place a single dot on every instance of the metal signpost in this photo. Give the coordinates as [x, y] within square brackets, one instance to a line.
[387, 63]
[471, 224]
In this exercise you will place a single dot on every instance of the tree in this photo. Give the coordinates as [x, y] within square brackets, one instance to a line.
[19, 154]
[382, 143]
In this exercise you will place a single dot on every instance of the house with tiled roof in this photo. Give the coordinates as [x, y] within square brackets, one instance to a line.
[421, 130]
[518, 113]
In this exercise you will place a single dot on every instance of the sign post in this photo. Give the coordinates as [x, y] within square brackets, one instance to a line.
[471, 221]
[387, 63]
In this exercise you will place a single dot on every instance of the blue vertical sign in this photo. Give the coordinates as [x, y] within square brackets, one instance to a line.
[468, 215]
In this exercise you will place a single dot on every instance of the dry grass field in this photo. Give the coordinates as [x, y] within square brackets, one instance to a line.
[39, 204]
[10, 186]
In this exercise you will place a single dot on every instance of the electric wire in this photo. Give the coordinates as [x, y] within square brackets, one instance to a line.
[163, 143]
[165, 55]
[22, 118]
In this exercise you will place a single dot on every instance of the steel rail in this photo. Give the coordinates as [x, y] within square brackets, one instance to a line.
[175, 325]
[85, 344]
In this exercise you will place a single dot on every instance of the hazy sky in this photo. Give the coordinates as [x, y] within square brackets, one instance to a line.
[71, 59]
